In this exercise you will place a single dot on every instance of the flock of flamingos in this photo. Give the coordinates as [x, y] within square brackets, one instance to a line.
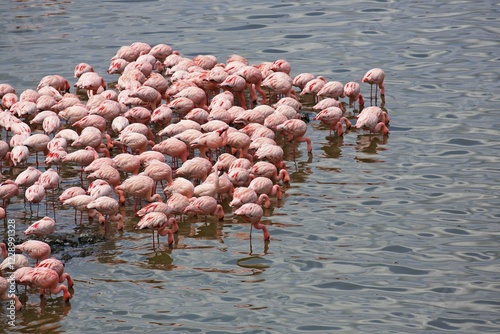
[218, 124]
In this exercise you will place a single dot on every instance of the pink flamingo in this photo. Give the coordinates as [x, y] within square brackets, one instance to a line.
[295, 130]
[158, 171]
[180, 185]
[82, 158]
[79, 203]
[313, 86]
[13, 262]
[4, 287]
[50, 179]
[58, 267]
[35, 249]
[157, 221]
[82, 68]
[235, 84]
[375, 76]
[242, 195]
[352, 90]
[154, 207]
[127, 163]
[302, 79]
[333, 118]
[42, 227]
[141, 186]
[34, 194]
[161, 115]
[252, 213]
[38, 142]
[332, 89]
[267, 169]
[98, 188]
[107, 173]
[45, 278]
[196, 168]
[92, 82]
[28, 177]
[253, 77]
[18, 155]
[373, 119]
[326, 103]
[210, 141]
[107, 206]
[8, 189]
[204, 205]
[279, 83]
[173, 147]
[71, 192]
[264, 185]
[137, 142]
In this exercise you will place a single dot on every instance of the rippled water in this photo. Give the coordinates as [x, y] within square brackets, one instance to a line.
[374, 234]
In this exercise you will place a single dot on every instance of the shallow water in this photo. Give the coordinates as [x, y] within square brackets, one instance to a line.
[374, 234]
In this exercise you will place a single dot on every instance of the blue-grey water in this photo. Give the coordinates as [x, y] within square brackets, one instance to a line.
[395, 234]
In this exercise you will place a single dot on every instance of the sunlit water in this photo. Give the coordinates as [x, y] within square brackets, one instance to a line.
[374, 234]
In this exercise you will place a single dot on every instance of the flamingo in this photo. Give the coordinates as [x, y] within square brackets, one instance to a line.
[28, 177]
[34, 194]
[295, 129]
[196, 168]
[252, 213]
[92, 82]
[235, 84]
[138, 186]
[264, 185]
[179, 185]
[375, 76]
[8, 189]
[352, 90]
[42, 227]
[35, 249]
[332, 89]
[13, 262]
[127, 163]
[58, 267]
[98, 188]
[50, 179]
[83, 158]
[154, 207]
[210, 141]
[45, 278]
[4, 287]
[79, 203]
[302, 79]
[107, 206]
[267, 169]
[373, 119]
[204, 205]
[38, 142]
[157, 221]
[244, 195]
[333, 118]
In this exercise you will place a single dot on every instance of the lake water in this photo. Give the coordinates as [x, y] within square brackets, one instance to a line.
[394, 234]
